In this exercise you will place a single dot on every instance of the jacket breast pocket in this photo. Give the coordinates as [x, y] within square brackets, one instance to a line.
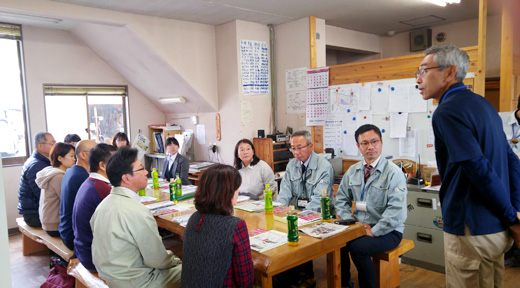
[355, 185]
[379, 195]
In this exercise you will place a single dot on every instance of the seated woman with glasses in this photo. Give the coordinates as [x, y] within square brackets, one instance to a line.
[255, 173]
[49, 180]
[215, 241]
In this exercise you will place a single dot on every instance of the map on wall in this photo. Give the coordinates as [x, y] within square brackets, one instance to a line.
[254, 67]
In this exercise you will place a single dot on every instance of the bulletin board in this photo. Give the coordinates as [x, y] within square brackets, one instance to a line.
[387, 72]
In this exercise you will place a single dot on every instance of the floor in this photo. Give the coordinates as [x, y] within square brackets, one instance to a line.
[31, 271]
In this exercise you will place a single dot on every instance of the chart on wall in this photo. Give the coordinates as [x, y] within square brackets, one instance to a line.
[296, 90]
[254, 65]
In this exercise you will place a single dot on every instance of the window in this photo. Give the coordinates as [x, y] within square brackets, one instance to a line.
[92, 112]
[13, 146]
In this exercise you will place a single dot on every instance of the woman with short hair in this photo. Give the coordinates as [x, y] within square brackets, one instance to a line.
[255, 173]
[215, 241]
[120, 140]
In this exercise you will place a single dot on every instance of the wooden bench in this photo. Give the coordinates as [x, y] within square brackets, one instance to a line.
[84, 278]
[387, 265]
[36, 240]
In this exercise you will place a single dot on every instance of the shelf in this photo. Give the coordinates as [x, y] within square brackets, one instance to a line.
[279, 150]
[281, 161]
[279, 143]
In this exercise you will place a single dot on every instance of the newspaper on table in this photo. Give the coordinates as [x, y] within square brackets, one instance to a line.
[305, 217]
[323, 230]
[165, 208]
[256, 206]
[182, 220]
[263, 241]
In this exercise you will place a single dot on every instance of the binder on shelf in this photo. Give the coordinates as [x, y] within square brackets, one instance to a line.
[159, 145]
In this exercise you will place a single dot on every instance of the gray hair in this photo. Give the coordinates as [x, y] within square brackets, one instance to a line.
[451, 55]
[40, 138]
[304, 133]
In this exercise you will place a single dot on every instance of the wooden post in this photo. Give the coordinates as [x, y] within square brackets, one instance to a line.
[480, 76]
[316, 131]
[506, 60]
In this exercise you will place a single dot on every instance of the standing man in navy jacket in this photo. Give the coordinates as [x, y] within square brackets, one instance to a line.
[29, 192]
[480, 192]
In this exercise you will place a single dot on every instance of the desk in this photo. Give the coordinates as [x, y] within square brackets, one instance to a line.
[284, 257]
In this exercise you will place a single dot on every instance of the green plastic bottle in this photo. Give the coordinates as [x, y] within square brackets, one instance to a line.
[293, 239]
[178, 185]
[155, 178]
[325, 206]
[172, 193]
[142, 192]
[268, 198]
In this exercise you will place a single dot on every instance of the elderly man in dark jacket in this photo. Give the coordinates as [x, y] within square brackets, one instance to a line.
[29, 192]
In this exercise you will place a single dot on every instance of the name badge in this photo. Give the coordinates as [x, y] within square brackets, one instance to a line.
[361, 206]
[302, 202]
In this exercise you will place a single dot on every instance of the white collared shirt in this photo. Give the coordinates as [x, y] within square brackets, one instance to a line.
[373, 164]
[100, 177]
[171, 159]
[511, 129]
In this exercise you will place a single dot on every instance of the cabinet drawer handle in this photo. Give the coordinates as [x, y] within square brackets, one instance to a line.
[424, 237]
[424, 202]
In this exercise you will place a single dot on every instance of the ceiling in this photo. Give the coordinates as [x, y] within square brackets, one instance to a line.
[369, 16]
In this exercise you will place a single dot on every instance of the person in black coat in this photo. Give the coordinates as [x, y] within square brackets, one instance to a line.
[175, 163]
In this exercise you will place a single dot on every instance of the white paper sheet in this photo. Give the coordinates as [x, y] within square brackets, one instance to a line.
[332, 134]
[398, 125]
[349, 143]
[254, 64]
[364, 98]
[415, 101]
[296, 79]
[398, 98]
[408, 145]
[246, 111]
[379, 99]
[201, 134]
[296, 101]
[343, 98]
[363, 117]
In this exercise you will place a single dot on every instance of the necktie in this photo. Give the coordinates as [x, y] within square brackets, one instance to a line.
[367, 171]
[304, 179]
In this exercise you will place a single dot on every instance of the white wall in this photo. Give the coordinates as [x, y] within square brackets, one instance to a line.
[461, 34]
[291, 51]
[55, 56]
[5, 267]
[353, 40]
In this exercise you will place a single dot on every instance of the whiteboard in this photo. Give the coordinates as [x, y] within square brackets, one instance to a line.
[419, 121]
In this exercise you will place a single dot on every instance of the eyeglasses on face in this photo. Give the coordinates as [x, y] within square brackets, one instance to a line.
[421, 71]
[51, 143]
[140, 169]
[373, 142]
[294, 149]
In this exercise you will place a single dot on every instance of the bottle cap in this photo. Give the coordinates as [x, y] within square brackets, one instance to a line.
[267, 185]
[291, 207]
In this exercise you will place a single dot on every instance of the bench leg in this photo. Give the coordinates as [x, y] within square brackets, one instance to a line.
[334, 269]
[29, 246]
[387, 273]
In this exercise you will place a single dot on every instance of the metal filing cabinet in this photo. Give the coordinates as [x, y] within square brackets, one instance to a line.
[424, 226]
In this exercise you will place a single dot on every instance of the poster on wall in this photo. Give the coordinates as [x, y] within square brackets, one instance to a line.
[317, 96]
[296, 79]
[296, 102]
[254, 65]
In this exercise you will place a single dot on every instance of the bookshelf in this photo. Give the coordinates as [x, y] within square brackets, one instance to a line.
[166, 131]
[276, 155]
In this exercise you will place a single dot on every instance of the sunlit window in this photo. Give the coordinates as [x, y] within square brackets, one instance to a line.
[95, 113]
[13, 146]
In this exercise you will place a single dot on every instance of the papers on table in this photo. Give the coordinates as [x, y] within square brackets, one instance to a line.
[158, 205]
[146, 199]
[324, 230]
[165, 208]
[182, 220]
[264, 240]
[304, 218]
[242, 198]
[256, 206]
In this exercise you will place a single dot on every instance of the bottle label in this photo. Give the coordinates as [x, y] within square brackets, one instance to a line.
[292, 225]
[172, 192]
[268, 197]
[178, 189]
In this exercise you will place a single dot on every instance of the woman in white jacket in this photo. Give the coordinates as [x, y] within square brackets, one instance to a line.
[49, 180]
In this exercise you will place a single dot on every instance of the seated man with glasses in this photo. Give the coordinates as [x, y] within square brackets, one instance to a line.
[306, 175]
[378, 189]
[127, 250]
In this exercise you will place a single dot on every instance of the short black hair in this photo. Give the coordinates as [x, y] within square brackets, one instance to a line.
[72, 138]
[171, 140]
[100, 153]
[365, 128]
[119, 164]
[59, 149]
[121, 136]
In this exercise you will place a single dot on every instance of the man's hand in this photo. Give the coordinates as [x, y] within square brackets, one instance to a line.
[368, 229]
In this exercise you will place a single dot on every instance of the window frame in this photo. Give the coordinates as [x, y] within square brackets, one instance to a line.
[20, 160]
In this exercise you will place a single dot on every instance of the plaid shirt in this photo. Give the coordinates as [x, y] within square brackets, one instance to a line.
[241, 272]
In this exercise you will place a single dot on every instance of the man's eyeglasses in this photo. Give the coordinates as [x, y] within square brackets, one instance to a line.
[52, 143]
[422, 71]
[140, 169]
[294, 149]
[372, 142]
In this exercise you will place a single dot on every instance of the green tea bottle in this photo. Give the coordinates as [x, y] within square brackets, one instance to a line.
[325, 206]
[155, 178]
[172, 193]
[293, 239]
[178, 185]
[268, 198]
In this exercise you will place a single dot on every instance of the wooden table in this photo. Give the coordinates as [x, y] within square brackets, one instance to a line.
[282, 258]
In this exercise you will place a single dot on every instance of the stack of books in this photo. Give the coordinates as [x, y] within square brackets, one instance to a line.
[196, 167]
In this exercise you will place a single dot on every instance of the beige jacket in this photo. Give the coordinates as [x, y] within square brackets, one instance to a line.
[49, 180]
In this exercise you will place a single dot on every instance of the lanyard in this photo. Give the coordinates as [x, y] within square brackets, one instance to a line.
[513, 128]
[451, 90]
[363, 192]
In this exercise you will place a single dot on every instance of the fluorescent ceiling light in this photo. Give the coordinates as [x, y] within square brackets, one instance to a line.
[172, 100]
[437, 2]
[30, 17]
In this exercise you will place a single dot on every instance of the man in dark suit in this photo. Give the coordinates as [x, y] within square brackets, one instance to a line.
[175, 163]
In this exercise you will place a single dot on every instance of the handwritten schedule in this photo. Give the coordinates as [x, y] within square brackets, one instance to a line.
[254, 67]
